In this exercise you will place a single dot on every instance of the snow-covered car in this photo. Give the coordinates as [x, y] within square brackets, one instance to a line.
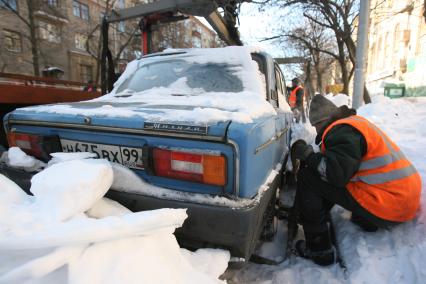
[203, 129]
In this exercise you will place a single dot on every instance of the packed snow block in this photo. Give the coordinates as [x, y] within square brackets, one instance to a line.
[105, 207]
[213, 262]
[150, 259]
[82, 230]
[70, 188]
[38, 266]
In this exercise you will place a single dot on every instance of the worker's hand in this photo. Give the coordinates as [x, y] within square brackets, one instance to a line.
[300, 150]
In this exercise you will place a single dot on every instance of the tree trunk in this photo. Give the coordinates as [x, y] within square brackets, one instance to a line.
[345, 76]
[308, 84]
[343, 67]
[366, 96]
[33, 38]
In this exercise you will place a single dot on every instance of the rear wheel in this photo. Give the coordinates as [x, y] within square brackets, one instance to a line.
[270, 226]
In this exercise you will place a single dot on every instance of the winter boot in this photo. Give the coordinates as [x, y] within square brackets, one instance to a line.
[318, 248]
[363, 223]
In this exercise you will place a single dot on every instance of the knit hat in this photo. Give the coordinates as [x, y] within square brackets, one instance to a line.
[321, 109]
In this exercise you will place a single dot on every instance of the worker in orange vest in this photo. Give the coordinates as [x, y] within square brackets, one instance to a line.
[359, 168]
[295, 100]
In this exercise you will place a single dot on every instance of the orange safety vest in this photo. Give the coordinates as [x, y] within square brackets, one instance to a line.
[292, 97]
[386, 183]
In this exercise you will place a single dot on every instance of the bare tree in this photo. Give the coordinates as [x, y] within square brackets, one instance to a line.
[313, 42]
[339, 16]
[125, 34]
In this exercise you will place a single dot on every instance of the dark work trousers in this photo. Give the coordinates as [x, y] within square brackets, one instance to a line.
[315, 198]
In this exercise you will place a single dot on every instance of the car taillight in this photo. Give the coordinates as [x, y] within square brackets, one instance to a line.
[35, 145]
[202, 168]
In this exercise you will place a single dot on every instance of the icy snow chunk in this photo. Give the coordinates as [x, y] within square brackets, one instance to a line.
[106, 207]
[149, 259]
[82, 230]
[34, 270]
[66, 189]
[210, 261]
[17, 158]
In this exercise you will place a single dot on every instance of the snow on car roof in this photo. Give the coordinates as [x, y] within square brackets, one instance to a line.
[206, 106]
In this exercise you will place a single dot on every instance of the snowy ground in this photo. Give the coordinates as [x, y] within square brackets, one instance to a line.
[52, 238]
[386, 256]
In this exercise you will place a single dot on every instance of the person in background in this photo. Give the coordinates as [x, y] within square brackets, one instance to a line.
[295, 100]
[359, 168]
[90, 87]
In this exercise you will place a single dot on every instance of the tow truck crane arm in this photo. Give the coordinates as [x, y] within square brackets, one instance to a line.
[168, 11]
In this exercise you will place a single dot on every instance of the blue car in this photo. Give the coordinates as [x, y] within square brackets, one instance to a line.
[203, 129]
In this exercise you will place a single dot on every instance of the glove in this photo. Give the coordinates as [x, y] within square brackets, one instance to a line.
[300, 150]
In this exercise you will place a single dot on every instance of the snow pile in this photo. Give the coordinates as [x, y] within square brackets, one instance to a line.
[16, 158]
[68, 233]
[387, 256]
[178, 102]
[303, 131]
[339, 99]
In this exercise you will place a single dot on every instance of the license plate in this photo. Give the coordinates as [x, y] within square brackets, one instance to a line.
[127, 156]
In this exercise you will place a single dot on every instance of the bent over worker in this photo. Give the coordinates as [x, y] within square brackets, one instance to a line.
[359, 168]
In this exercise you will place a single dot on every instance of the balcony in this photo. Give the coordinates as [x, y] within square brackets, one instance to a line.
[51, 10]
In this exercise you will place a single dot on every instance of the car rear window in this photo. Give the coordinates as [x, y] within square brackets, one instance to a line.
[208, 77]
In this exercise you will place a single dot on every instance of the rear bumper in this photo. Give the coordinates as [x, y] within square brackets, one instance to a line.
[234, 229]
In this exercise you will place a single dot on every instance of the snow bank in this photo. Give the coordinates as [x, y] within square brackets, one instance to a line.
[197, 106]
[68, 233]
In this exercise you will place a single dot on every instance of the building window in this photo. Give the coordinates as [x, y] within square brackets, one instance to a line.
[12, 41]
[80, 41]
[8, 4]
[86, 73]
[49, 32]
[80, 10]
[53, 3]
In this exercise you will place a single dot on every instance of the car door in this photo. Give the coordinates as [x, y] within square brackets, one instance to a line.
[283, 118]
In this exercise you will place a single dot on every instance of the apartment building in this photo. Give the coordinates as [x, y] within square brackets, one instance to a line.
[397, 46]
[65, 35]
